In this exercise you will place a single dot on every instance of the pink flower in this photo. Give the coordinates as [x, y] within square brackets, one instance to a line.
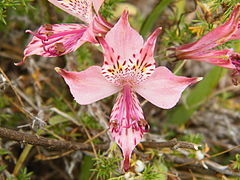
[59, 39]
[129, 68]
[202, 50]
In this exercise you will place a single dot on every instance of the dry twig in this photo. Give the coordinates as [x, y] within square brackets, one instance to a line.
[68, 145]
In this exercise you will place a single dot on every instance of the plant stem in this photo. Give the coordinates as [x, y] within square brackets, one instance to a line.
[22, 159]
[179, 67]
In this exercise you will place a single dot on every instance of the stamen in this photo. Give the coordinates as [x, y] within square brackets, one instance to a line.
[235, 58]
[235, 77]
[48, 27]
[49, 33]
[37, 35]
[59, 47]
[114, 125]
[144, 125]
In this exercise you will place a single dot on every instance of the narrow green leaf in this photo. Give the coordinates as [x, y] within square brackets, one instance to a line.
[181, 114]
[87, 164]
[2, 167]
[57, 119]
[152, 17]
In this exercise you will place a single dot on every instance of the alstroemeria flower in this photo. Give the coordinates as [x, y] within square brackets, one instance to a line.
[59, 39]
[202, 50]
[129, 68]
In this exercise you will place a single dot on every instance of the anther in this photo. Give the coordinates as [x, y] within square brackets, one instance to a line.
[143, 123]
[59, 47]
[49, 33]
[48, 27]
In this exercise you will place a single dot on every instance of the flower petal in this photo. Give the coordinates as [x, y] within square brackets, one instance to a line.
[145, 61]
[125, 56]
[127, 123]
[88, 86]
[163, 88]
[218, 36]
[82, 9]
[57, 40]
[124, 40]
[148, 48]
[97, 4]
[216, 57]
[100, 25]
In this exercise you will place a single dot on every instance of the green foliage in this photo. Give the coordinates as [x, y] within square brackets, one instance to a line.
[58, 103]
[2, 167]
[8, 118]
[194, 138]
[57, 119]
[85, 169]
[226, 4]
[3, 102]
[236, 164]
[181, 114]
[153, 16]
[5, 4]
[84, 57]
[149, 173]
[4, 152]
[175, 36]
[106, 167]
[90, 122]
[157, 171]
[117, 178]
[108, 8]
[24, 175]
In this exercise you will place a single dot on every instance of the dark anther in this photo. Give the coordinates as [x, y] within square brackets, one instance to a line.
[235, 59]
[114, 125]
[48, 27]
[143, 123]
[235, 77]
[49, 33]
[59, 47]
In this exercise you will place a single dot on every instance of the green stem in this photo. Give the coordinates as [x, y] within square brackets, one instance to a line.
[179, 67]
[152, 17]
[22, 159]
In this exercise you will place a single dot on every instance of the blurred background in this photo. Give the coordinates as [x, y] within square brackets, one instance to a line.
[34, 98]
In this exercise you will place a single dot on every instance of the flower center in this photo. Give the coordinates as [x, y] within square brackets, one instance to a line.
[131, 72]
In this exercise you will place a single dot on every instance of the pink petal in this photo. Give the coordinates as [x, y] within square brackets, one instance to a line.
[57, 40]
[145, 60]
[100, 25]
[81, 9]
[127, 123]
[218, 36]
[216, 57]
[126, 58]
[124, 40]
[163, 88]
[88, 86]
[97, 4]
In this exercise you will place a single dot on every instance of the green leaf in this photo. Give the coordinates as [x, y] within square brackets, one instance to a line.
[181, 114]
[156, 171]
[57, 119]
[87, 164]
[2, 167]
[153, 16]
[4, 152]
